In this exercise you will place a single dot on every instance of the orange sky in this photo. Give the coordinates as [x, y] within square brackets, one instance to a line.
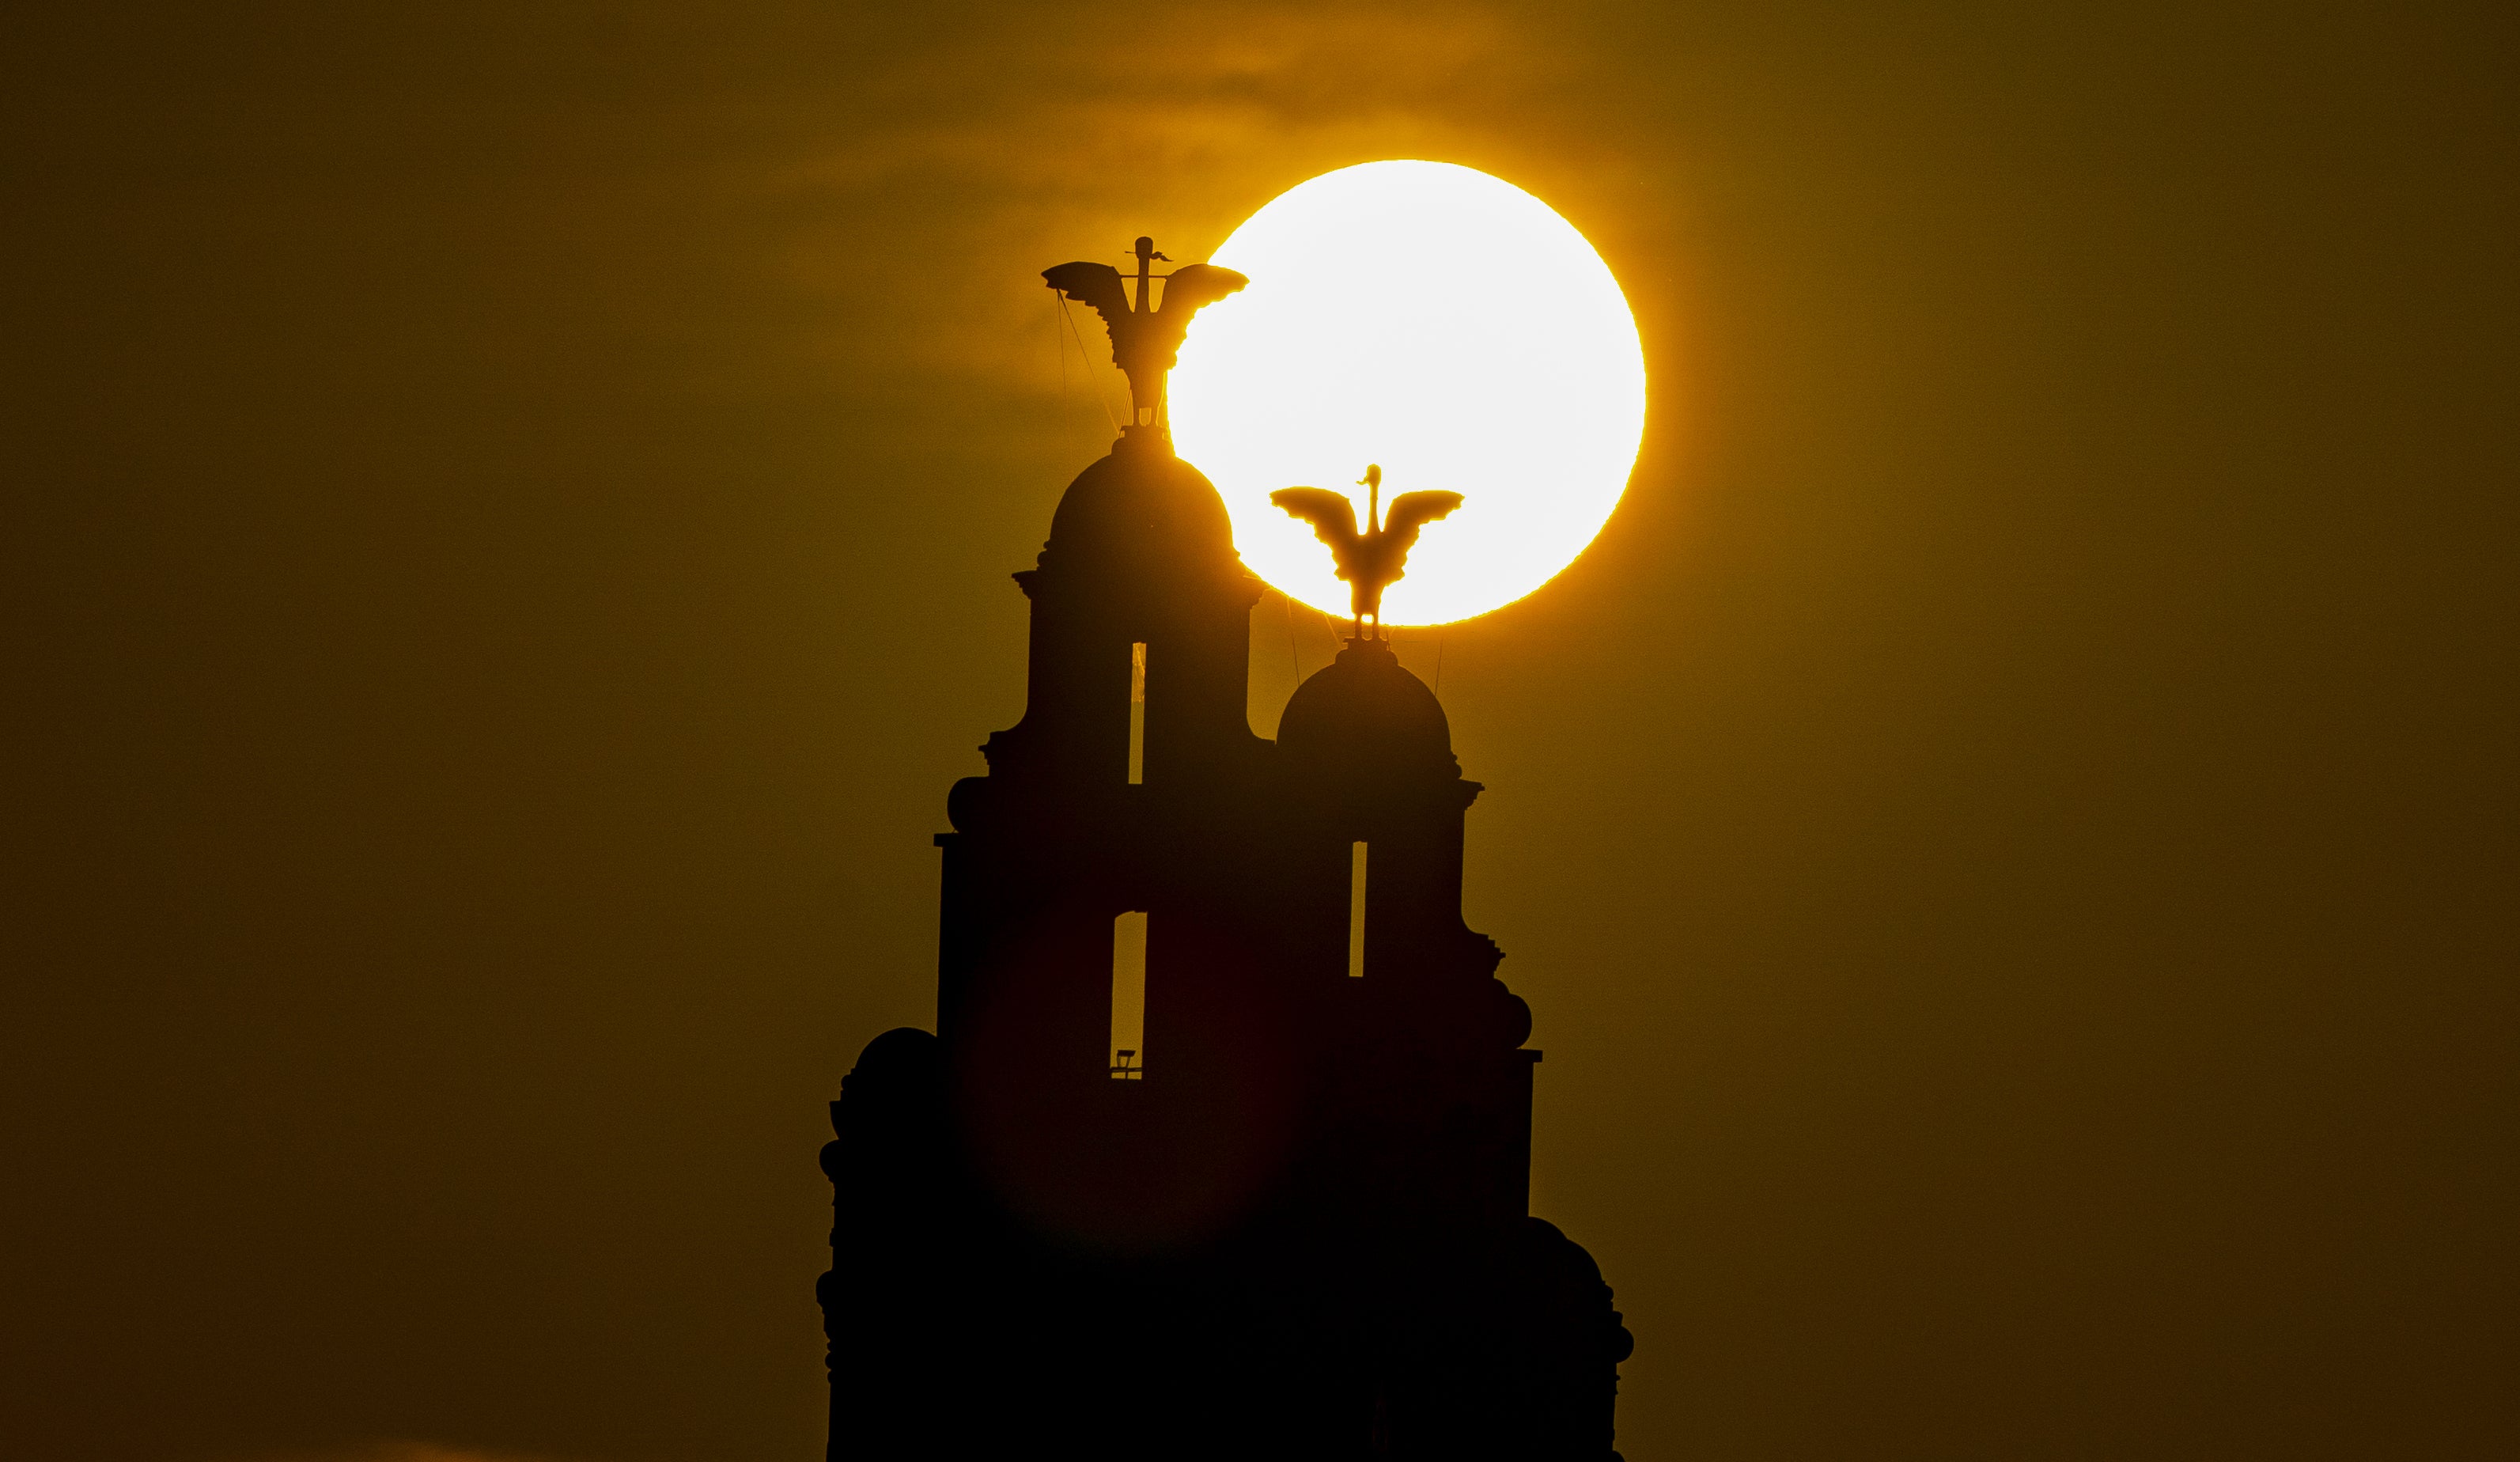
[2008, 833]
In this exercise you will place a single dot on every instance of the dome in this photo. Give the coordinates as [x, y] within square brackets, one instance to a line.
[1367, 714]
[1141, 502]
[899, 1060]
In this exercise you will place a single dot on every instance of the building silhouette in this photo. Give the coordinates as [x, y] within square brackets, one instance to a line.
[1289, 1219]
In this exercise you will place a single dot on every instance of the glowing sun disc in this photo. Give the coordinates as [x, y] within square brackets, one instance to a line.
[1444, 323]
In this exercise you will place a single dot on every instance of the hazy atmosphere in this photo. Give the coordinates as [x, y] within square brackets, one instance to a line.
[2009, 831]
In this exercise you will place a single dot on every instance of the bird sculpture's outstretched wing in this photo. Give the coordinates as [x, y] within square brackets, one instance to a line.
[1194, 287]
[1331, 515]
[1409, 511]
[1097, 285]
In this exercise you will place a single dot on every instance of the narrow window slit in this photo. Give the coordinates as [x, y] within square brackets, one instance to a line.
[1356, 911]
[1129, 998]
[1136, 713]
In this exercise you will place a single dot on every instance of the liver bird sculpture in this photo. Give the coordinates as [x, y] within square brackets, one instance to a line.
[1373, 560]
[1145, 340]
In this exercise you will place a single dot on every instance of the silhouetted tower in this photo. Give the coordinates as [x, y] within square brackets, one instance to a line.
[1288, 1219]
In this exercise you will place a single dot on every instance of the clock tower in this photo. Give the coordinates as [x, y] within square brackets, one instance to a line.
[1221, 1145]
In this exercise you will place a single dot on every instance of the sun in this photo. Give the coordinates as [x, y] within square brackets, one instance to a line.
[1443, 324]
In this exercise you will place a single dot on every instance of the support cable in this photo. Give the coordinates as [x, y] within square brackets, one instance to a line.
[1087, 356]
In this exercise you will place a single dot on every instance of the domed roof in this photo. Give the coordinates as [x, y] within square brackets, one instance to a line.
[1141, 502]
[1366, 713]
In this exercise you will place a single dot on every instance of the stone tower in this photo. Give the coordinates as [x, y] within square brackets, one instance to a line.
[1289, 1220]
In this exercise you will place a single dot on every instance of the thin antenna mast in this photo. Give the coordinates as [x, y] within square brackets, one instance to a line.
[1144, 248]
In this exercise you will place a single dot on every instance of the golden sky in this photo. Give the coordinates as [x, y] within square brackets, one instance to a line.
[2007, 834]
